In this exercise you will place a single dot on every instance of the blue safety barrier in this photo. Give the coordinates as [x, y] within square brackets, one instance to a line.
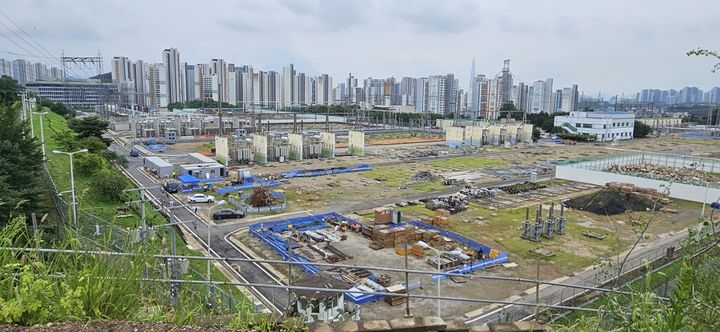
[257, 182]
[477, 265]
[298, 173]
[267, 233]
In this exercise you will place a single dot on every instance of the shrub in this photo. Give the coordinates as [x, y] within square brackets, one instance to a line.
[109, 185]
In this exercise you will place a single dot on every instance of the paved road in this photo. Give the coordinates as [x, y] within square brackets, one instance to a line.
[220, 247]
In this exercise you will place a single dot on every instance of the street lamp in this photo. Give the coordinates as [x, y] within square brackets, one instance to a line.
[42, 132]
[437, 253]
[219, 203]
[72, 181]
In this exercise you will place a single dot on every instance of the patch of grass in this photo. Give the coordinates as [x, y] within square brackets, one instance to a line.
[205, 146]
[469, 162]
[503, 227]
[427, 186]
[393, 176]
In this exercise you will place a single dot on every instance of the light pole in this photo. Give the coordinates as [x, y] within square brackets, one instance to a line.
[42, 132]
[219, 203]
[72, 182]
[437, 253]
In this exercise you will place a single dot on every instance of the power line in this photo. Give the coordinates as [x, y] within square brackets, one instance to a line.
[29, 36]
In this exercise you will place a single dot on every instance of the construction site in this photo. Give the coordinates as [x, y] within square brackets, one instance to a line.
[476, 198]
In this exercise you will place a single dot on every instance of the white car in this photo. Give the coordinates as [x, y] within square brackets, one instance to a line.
[201, 198]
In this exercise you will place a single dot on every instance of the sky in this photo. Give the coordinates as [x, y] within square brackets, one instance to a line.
[609, 47]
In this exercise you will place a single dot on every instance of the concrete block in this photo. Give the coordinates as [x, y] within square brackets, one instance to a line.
[456, 326]
[403, 324]
[375, 325]
[432, 323]
[479, 328]
[348, 326]
[322, 327]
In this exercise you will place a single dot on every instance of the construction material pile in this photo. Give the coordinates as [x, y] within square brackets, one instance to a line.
[454, 203]
[611, 202]
[522, 187]
[441, 218]
[423, 176]
[480, 192]
[688, 174]
[384, 237]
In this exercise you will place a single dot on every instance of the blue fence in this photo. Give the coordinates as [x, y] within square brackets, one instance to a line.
[266, 232]
[248, 183]
[299, 173]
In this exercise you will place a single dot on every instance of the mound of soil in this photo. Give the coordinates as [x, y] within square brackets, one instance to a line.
[610, 202]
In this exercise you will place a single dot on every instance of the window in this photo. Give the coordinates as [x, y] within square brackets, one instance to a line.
[577, 125]
[587, 125]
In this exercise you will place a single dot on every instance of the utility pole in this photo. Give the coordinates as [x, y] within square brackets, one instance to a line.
[42, 132]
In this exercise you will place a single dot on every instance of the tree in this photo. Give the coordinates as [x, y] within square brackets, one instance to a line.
[509, 110]
[109, 185]
[57, 108]
[641, 130]
[88, 164]
[88, 126]
[557, 130]
[535, 134]
[261, 197]
[111, 156]
[65, 139]
[9, 90]
[703, 52]
[93, 144]
[20, 158]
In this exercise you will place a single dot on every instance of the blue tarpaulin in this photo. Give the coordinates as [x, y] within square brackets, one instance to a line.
[298, 173]
[254, 183]
[187, 178]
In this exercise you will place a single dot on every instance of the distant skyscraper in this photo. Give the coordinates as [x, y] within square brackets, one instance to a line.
[190, 82]
[324, 89]
[219, 78]
[174, 75]
[476, 86]
[120, 70]
[139, 74]
[569, 99]
[19, 71]
[472, 76]
[506, 83]
[287, 86]
[714, 95]
[157, 86]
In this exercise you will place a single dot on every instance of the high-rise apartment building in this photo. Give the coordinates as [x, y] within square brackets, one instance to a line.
[174, 75]
[157, 86]
[569, 99]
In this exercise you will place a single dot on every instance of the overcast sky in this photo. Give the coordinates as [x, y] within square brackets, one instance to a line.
[609, 46]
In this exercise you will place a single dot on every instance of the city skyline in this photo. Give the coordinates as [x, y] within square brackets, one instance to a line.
[647, 49]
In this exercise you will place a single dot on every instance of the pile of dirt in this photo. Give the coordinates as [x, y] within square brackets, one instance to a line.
[611, 202]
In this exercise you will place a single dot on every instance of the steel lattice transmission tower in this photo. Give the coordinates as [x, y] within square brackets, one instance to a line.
[94, 63]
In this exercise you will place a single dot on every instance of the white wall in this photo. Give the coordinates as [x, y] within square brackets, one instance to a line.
[296, 144]
[356, 142]
[222, 149]
[675, 190]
